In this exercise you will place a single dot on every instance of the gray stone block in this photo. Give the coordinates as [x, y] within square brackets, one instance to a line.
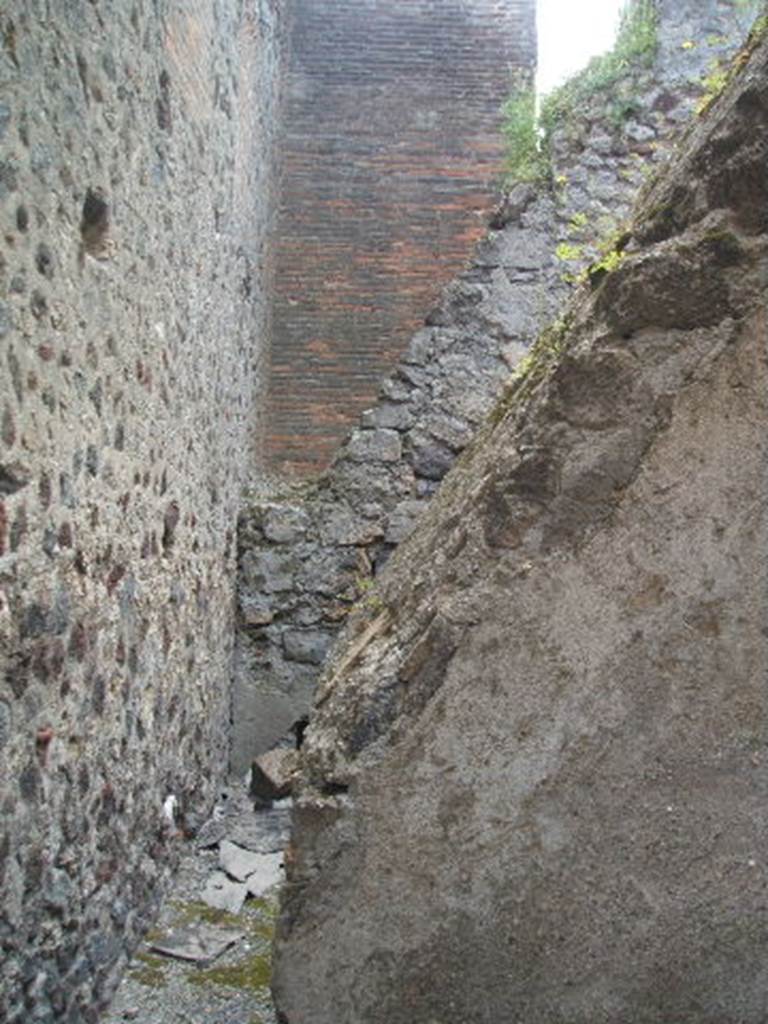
[374, 446]
[306, 646]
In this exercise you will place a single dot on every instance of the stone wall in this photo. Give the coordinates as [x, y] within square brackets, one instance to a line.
[307, 557]
[391, 151]
[135, 195]
[534, 783]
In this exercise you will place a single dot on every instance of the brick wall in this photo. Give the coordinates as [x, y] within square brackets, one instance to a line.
[391, 149]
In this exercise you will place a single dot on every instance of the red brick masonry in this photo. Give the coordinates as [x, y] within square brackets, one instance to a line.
[391, 153]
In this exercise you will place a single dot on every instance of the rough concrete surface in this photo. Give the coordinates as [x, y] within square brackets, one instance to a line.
[535, 782]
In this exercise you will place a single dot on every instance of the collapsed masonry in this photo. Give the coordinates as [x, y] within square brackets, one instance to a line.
[308, 554]
[534, 785]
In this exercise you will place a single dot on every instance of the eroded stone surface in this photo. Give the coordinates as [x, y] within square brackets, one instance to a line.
[535, 780]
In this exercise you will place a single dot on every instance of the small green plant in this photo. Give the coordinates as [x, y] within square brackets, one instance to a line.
[609, 262]
[367, 599]
[577, 223]
[525, 159]
[568, 252]
[717, 79]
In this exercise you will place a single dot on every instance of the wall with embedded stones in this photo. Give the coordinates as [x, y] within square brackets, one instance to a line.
[308, 555]
[135, 197]
[391, 150]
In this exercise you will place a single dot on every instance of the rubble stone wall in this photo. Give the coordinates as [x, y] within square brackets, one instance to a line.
[307, 556]
[392, 152]
[135, 196]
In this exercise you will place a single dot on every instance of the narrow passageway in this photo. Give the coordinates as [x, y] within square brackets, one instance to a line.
[220, 222]
[205, 964]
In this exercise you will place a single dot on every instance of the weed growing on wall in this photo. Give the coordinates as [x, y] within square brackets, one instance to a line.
[526, 134]
[635, 47]
[525, 158]
[721, 73]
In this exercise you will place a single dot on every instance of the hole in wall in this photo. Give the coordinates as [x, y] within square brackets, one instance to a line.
[44, 260]
[298, 729]
[163, 105]
[38, 304]
[170, 522]
[335, 788]
[94, 226]
[9, 42]
[82, 70]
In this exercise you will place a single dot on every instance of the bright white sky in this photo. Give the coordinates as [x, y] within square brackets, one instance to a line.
[570, 32]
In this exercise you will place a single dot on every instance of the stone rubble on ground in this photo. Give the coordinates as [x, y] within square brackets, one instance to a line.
[238, 862]
[200, 943]
[222, 893]
[269, 873]
[272, 773]
[208, 957]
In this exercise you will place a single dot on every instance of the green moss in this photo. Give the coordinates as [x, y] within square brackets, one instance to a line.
[714, 83]
[268, 907]
[368, 600]
[252, 974]
[607, 264]
[151, 973]
[150, 977]
[151, 961]
[189, 913]
[534, 368]
[257, 918]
